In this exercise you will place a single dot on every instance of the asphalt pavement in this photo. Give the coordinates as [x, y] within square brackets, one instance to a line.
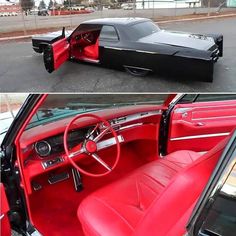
[22, 70]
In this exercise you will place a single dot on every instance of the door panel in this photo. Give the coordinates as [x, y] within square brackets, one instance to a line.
[56, 54]
[5, 225]
[199, 126]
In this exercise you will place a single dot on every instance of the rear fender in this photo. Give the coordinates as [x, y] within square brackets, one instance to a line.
[218, 38]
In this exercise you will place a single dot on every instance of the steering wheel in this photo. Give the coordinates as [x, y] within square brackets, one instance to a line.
[92, 144]
[88, 37]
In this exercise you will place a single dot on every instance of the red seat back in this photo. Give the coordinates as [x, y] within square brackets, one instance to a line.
[92, 51]
[169, 213]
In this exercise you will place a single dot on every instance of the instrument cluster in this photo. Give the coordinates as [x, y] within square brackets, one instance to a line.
[52, 145]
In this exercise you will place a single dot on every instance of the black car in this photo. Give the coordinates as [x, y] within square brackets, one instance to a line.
[136, 44]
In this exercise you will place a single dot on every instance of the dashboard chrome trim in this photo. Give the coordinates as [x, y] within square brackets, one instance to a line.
[109, 142]
[130, 118]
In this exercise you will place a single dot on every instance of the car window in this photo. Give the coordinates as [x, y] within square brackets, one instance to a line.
[142, 29]
[221, 218]
[189, 98]
[108, 33]
[215, 97]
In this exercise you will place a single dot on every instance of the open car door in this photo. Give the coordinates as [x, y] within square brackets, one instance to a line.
[5, 224]
[199, 122]
[56, 54]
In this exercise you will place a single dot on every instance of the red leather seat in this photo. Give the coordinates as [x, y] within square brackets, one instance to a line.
[91, 51]
[156, 199]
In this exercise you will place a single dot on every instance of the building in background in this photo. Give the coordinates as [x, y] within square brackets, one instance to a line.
[9, 9]
[150, 4]
[231, 3]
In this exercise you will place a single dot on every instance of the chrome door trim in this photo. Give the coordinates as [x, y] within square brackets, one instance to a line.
[200, 136]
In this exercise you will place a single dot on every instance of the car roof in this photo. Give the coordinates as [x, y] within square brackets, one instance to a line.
[117, 21]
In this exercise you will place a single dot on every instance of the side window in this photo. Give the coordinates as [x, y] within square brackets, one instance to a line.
[189, 98]
[215, 97]
[221, 218]
[108, 33]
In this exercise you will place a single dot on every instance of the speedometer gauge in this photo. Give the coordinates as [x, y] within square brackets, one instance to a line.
[43, 148]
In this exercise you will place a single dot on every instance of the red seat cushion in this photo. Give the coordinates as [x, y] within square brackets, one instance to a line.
[91, 51]
[153, 200]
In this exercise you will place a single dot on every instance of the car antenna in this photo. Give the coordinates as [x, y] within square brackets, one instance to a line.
[63, 33]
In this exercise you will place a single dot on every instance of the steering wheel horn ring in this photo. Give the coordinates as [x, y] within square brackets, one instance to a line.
[89, 146]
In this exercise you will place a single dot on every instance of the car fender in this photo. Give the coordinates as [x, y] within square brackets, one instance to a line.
[218, 38]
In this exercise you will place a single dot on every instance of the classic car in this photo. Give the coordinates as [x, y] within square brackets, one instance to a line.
[136, 44]
[139, 164]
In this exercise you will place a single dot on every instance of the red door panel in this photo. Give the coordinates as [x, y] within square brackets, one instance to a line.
[56, 54]
[5, 225]
[199, 126]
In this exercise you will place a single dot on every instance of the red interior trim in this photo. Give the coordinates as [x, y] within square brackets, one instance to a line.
[18, 151]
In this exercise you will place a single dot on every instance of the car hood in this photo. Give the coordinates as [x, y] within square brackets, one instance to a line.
[180, 39]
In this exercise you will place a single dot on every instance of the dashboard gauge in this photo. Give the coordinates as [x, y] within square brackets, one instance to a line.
[43, 148]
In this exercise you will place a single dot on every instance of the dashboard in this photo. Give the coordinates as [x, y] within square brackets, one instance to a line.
[54, 144]
[42, 147]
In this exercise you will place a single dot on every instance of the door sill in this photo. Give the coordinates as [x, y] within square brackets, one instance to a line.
[89, 60]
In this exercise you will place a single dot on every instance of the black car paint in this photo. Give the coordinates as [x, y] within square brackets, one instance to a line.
[150, 55]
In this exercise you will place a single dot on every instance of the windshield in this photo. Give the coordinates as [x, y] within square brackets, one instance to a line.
[142, 29]
[59, 106]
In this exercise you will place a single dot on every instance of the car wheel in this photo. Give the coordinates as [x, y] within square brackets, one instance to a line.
[136, 71]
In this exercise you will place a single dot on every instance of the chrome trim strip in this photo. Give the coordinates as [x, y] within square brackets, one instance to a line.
[2, 216]
[209, 106]
[129, 126]
[109, 142]
[129, 49]
[120, 49]
[149, 52]
[214, 117]
[136, 67]
[200, 136]
[130, 118]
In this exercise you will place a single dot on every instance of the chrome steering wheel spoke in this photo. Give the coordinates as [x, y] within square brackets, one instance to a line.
[103, 163]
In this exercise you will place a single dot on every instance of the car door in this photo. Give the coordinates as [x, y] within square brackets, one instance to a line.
[199, 122]
[110, 49]
[56, 54]
[5, 224]
[215, 212]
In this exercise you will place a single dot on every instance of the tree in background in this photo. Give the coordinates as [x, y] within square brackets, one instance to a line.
[42, 5]
[66, 3]
[50, 4]
[27, 4]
